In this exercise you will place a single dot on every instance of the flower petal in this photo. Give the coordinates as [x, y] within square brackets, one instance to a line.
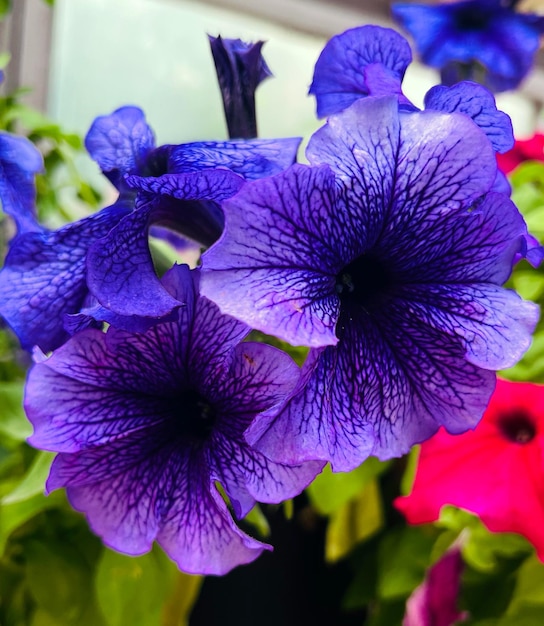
[493, 324]
[143, 489]
[478, 103]
[262, 269]
[240, 69]
[20, 161]
[388, 384]
[44, 277]
[120, 272]
[259, 380]
[464, 246]
[403, 169]
[251, 158]
[120, 142]
[363, 61]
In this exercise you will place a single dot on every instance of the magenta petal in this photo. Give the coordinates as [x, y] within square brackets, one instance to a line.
[434, 602]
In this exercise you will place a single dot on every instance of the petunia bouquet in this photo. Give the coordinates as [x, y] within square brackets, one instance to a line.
[345, 303]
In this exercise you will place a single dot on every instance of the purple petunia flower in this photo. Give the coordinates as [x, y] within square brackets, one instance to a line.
[44, 277]
[20, 161]
[180, 186]
[240, 69]
[360, 62]
[385, 256]
[371, 61]
[147, 424]
[50, 274]
[483, 40]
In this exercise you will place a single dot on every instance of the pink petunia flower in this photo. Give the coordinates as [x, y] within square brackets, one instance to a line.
[434, 602]
[495, 471]
[524, 150]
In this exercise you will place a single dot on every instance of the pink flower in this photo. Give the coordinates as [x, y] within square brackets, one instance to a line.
[495, 471]
[434, 602]
[524, 150]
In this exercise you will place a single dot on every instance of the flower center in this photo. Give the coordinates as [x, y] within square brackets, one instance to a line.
[362, 281]
[196, 416]
[472, 19]
[517, 427]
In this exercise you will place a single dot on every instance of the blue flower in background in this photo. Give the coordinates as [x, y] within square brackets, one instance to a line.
[482, 40]
[385, 256]
[146, 425]
[371, 61]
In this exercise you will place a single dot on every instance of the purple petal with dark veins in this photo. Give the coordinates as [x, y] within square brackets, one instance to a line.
[275, 265]
[461, 247]
[493, 324]
[120, 142]
[403, 169]
[363, 61]
[144, 488]
[388, 384]
[120, 268]
[133, 458]
[479, 104]
[143, 372]
[120, 271]
[95, 316]
[251, 158]
[534, 251]
[20, 161]
[213, 184]
[259, 378]
[99, 395]
[44, 277]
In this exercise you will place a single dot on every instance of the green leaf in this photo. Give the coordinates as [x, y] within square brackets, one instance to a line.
[257, 518]
[177, 609]
[483, 550]
[330, 491]
[12, 516]
[34, 481]
[354, 522]
[410, 471]
[404, 557]
[13, 421]
[5, 58]
[5, 8]
[529, 588]
[59, 579]
[526, 616]
[136, 590]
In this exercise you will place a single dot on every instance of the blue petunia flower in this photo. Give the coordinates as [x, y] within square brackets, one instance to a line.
[483, 40]
[20, 161]
[240, 69]
[146, 425]
[370, 61]
[105, 257]
[180, 186]
[386, 256]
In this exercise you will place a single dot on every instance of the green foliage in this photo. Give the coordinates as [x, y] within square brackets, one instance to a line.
[5, 8]
[528, 194]
[137, 591]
